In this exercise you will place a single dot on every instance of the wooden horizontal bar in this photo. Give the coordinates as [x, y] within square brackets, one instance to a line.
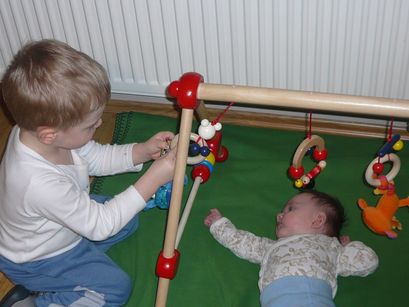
[332, 103]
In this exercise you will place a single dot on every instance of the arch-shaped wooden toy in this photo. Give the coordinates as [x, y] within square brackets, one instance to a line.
[375, 182]
[195, 138]
[319, 154]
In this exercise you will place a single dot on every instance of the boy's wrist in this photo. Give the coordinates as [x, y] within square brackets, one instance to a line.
[138, 154]
[146, 186]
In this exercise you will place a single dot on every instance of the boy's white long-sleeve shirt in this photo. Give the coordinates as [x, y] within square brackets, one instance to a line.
[45, 209]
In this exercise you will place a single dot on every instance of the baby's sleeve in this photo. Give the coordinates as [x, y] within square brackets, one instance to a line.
[356, 259]
[242, 243]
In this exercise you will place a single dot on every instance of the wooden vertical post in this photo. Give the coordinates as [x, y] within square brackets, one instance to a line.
[184, 90]
[176, 199]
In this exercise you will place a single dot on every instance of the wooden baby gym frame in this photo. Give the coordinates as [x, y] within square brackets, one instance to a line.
[189, 90]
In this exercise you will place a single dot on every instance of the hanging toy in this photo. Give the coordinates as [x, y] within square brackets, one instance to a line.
[381, 219]
[316, 145]
[385, 154]
[211, 132]
[319, 153]
[205, 148]
[376, 167]
[198, 149]
[394, 143]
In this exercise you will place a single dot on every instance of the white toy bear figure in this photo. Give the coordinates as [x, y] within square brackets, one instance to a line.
[207, 130]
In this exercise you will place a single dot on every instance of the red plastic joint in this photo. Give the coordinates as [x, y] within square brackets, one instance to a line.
[167, 267]
[201, 171]
[185, 90]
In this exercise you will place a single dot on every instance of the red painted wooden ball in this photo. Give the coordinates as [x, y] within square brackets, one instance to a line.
[320, 155]
[378, 168]
[296, 173]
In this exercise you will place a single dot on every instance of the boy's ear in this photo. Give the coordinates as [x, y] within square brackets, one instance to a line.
[320, 220]
[46, 135]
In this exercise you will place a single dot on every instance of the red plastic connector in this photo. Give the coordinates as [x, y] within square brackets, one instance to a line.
[167, 267]
[185, 90]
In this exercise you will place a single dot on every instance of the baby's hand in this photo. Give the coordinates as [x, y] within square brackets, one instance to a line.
[152, 148]
[344, 240]
[213, 216]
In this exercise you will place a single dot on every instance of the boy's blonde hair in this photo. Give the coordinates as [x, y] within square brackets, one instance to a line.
[49, 83]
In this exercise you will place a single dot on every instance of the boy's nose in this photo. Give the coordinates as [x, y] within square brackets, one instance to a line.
[279, 217]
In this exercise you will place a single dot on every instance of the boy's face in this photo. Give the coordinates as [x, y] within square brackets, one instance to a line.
[298, 216]
[78, 135]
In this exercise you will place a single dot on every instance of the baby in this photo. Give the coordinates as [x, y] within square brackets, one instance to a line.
[300, 268]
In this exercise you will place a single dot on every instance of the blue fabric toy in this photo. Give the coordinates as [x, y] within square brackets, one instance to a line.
[161, 199]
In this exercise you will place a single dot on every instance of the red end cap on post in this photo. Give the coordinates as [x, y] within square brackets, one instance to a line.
[185, 90]
[167, 267]
[201, 171]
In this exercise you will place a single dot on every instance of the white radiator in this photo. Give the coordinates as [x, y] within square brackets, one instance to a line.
[358, 47]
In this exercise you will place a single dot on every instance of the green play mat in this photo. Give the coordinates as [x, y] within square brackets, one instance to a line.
[250, 188]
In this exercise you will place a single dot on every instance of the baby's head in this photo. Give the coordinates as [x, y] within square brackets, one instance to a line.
[49, 83]
[311, 212]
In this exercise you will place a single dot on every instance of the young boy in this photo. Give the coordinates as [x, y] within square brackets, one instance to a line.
[53, 234]
[299, 268]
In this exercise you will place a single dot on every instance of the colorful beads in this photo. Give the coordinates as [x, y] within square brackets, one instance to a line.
[298, 183]
[394, 144]
[211, 158]
[398, 145]
[315, 146]
[204, 151]
[388, 146]
[320, 155]
[378, 168]
[201, 171]
[195, 149]
[296, 173]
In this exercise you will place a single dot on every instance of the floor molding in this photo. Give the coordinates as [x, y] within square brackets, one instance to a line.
[257, 119]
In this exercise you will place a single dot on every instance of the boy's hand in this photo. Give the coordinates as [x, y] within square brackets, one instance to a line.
[152, 148]
[213, 216]
[160, 172]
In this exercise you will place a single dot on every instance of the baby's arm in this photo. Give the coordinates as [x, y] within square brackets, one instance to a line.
[213, 216]
[356, 259]
[242, 243]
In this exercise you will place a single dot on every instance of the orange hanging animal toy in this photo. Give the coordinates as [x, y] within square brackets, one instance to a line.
[381, 219]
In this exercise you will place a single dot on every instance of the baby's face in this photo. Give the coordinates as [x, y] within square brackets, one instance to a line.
[297, 216]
